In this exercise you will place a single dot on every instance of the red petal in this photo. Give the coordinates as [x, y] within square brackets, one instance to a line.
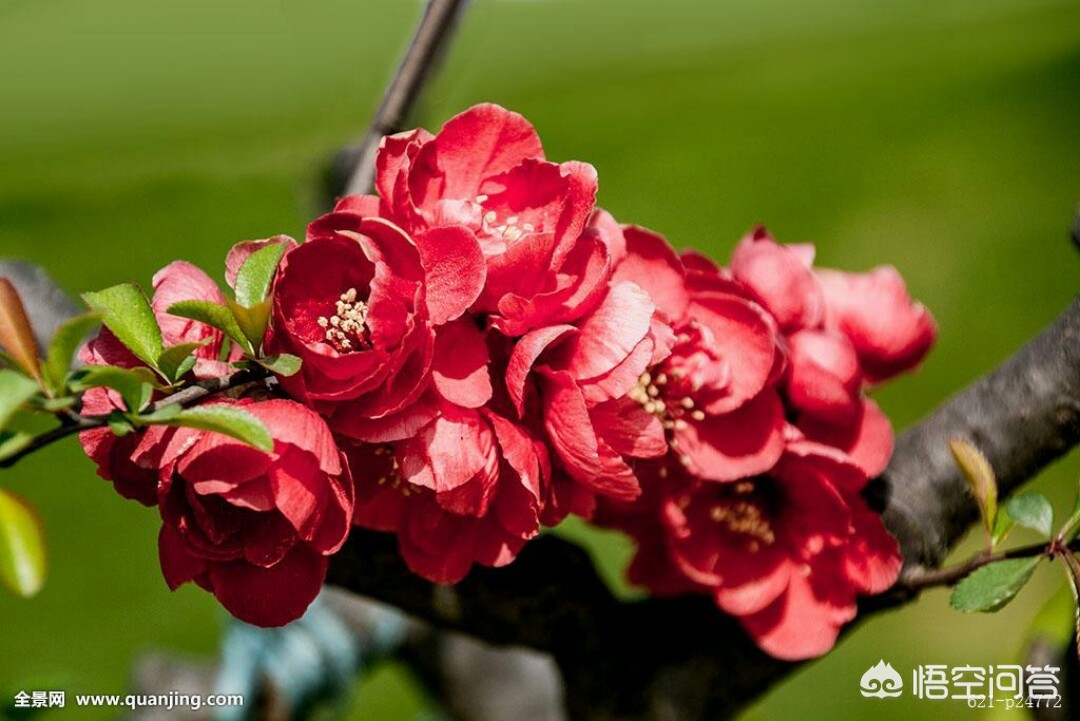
[455, 270]
[460, 369]
[735, 445]
[524, 355]
[270, 596]
[610, 333]
[653, 264]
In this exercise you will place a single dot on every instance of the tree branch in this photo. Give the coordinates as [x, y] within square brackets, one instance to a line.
[188, 396]
[682, 658]
[354, 168]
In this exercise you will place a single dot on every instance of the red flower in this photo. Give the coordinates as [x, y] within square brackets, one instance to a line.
[787, 553]
[578, 379]
[465, 490]
[358, 305]
[779, 277]
[255, 528]
[114, 456]
[485, 172]
[890, 332]
[715, 394]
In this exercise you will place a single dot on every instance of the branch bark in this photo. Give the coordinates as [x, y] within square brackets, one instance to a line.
[354, 168]
[682, 658]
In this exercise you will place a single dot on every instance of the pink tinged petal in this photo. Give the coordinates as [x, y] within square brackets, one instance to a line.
[610, 333]
[256, 495]
[618, 382]
[824, 378]
[587, 458]
[483, 141]
[826, 465]
[350, 420]
[872, 560]
[744, 338]
[220, 459]
[270, 596]
[456, 446]
[460, 369]
[454, 269]
[392, 163]
[653, 265]
[300, 491]
[294, 426]
[628, 429]
[743, 443]
[779, 279]
[804, 623]
[178, 564]
[746, 595]
[240, 252]
[890, 332]
[867, 438]
[337, 516]
[524, 356]
[183, 281]
[362, 205]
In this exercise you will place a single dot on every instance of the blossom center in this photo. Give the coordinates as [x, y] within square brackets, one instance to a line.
[347, 329]
[657, 396]
[392, 476]
[509, 229]
[742, 515]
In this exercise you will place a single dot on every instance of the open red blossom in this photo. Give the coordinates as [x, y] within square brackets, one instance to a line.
[787, 553]
[889, 332]
[255, 528]
[485, 172]
[177, 281]
[578, 378]
[465, 490]
[715, 394]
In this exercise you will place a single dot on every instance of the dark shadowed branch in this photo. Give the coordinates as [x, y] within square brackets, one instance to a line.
[682, 658]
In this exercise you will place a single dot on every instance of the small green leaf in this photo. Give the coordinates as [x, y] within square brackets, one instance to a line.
[160, 415]
[127, 313]
[62, 348]
[991, 587]
[16, 335]
[1031, 510]
[135, 385]
[980, 478]
[212, 314]
[257, 274]
[1002, 526]
[229, 420]
[11, 442]
[15, 389]
[283, 364]
[22, 546]
[252, 321]
[174, 360]
[120, 426]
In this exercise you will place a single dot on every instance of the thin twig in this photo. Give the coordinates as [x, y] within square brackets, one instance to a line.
[186, 397]
[920, 579]
[416, 67]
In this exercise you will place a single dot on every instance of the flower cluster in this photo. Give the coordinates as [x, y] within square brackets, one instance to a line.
[484, 351]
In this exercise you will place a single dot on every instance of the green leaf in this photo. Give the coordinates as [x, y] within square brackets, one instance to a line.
[11, 442]
[991, 587]
[135, 385]
[283, 364]
[174, 360]
[229, 420]
[22, 546]
[1031, 510]
[980, 479]
[127, 313]
[252, 321]
[212, 314]
[257, 274]
[15, 389]
[62, 348]
[1002, 526]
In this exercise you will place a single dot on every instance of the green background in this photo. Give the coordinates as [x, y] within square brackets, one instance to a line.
[937, 135]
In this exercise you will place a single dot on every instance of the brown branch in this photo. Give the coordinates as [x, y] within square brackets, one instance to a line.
[188, 396]
[681, 658]
[354, 168]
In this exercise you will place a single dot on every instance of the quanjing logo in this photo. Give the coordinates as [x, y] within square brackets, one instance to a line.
[881, 681]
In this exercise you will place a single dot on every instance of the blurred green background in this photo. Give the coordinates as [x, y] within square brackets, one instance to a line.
[941, 136]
